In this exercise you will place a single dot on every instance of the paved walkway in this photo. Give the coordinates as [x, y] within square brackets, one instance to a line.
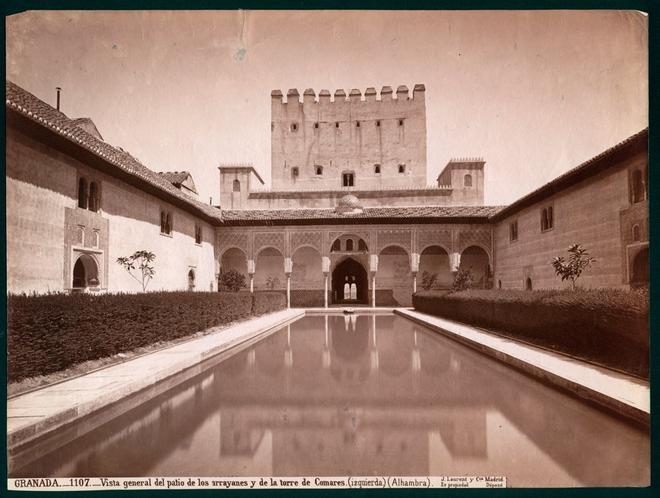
[35, 413]
[624, 394]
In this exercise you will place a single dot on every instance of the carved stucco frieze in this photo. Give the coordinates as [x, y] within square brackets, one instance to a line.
[402, 238]
[269, 239]
[311, 238]
[427, 238]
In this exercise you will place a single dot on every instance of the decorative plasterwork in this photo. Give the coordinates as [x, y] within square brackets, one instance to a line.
[269, 239]
[313, 239]
[401, 238]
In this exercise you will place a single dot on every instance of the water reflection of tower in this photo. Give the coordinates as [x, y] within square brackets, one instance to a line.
[350, 349]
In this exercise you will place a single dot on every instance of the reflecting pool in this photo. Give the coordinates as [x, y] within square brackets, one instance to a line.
[359, 395]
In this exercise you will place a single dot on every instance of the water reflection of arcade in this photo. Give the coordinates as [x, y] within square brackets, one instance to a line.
[355, 395]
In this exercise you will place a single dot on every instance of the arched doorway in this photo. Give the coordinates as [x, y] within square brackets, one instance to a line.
[476, 260]
[434, 268]
[349, 283]
[191, 280]
[640, 268]
[85, 273]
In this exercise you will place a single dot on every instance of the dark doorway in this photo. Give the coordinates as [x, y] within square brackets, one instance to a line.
[640, 269]
[350, 283]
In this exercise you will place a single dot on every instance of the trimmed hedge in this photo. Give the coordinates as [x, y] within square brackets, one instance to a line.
[265, 302]
[308, 298]
[53, 332]
[606, 326]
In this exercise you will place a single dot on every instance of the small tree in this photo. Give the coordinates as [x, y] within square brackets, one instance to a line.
[462, 280]
[232, 280]
[428, 280]
[272, 282]
[142, 261]
[571, 269]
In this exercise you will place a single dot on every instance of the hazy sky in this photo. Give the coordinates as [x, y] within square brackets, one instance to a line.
[533, 93]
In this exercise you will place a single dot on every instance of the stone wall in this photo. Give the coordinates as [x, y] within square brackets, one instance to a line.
[588, 213]
[348, 134]
[44, 221]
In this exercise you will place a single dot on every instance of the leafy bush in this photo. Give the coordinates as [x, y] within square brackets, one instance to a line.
[428, 279]
[266, 302]
[52, 332]
[571, 269]
[605, 326]
[232, 281]
[462, 280]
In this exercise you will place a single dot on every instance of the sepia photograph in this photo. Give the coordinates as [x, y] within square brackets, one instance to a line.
[277, 249]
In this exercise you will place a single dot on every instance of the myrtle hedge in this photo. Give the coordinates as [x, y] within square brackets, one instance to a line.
[605, 326]
[52, 332]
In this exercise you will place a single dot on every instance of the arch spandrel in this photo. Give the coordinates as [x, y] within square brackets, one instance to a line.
[275, 240]
[400, 238]
[335, 234]
[306, 239]
[429, 238]
[480, 238]
[229, 239]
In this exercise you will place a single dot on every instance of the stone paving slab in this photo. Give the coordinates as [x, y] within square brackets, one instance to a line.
[624, 394]
[32, 414]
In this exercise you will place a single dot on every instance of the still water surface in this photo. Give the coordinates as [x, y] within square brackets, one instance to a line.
[360, 395]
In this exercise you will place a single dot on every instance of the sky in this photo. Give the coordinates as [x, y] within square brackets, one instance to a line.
[534, 93]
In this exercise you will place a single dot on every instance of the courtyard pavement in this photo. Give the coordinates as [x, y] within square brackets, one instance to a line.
[35, 413]
[625, 395]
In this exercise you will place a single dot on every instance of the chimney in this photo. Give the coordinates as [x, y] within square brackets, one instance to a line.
[58, 97]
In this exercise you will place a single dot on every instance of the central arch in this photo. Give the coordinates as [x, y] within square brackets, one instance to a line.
[349, 275]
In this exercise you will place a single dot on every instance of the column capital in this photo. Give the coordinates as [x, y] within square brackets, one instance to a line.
[325, 264]
[250, 266]
[373, 263]
[288, 266]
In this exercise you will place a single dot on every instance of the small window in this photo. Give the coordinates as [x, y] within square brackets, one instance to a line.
[378, 123]
[357, 124]
[377, 169]
[316, 125]
[294, 171]
[499, 284]
[636, 233]
[400, 122]
[547, 221]
[165, 223]
[402, 168]
[336, 245]
[337, 124]
[272, 126]
[318, 170]
[349, 244]
[513, 231]
[94, 201]
[528, 284]
[236, 187]
[191, 280]
[638, 187]
[80, 236]
[198, 234]
[347, 179]
[294, 127]
[362, 246]
[96, 237]
[467, 181]
[82, 193]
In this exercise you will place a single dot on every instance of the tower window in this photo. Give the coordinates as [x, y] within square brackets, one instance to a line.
[636, 233]
[198, 234]
[319, 170]
[467, 181]
[316, 125]
[236, 187]
[347, 179]
[294, 171]
[377, 169]
[402, 168]
[337, 124]
[357, 124]
[400, 122]
[378, 123]
[165, 223]
[94, 201]
[294, 126]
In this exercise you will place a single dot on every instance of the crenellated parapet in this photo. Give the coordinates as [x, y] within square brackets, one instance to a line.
[354, 95]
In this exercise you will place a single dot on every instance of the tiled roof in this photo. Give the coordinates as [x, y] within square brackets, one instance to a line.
[254, 216]
[575, 175]
[175, 177]
[38, 111]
